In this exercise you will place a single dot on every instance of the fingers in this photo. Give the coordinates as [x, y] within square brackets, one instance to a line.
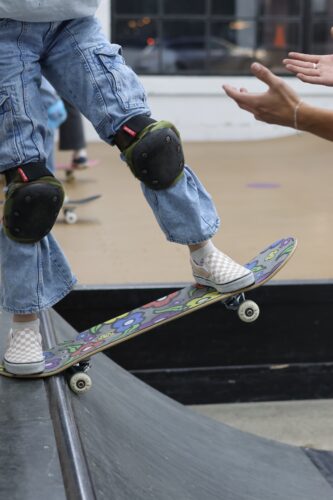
[242, 96]
[293, 63]
[250, 101]
[235, 93]
[309, 58]
[307, 69]
[265, 75]
[245, 100]
[318, 80]
[298, 64]
[232, 91]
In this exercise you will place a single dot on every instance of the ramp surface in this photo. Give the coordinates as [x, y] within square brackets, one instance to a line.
[140, 444]
[29, 463]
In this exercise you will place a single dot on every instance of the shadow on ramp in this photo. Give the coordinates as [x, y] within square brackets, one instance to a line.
[140, 444]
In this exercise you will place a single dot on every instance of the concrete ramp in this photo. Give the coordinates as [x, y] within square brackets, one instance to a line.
[139, 444]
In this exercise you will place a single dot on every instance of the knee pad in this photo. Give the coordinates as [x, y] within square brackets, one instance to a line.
[154, 154]
[34, 198]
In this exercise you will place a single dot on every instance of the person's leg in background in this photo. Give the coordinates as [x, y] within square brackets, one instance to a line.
[56, 115]
[72, 138]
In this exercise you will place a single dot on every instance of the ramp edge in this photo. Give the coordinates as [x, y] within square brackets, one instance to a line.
[74, 466]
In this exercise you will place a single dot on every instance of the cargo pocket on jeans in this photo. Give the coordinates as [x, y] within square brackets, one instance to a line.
[124, 82]
[9, 151]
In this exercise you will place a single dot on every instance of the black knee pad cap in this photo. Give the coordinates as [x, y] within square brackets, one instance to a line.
[31, 208]
[156, 157]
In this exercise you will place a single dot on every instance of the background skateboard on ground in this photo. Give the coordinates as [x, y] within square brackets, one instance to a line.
[69, 207]
[75, 354]
[70, 170]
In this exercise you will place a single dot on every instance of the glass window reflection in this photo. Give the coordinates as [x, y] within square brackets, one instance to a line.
[235, 7]
[134, 6]
[184, 6]
[218, 36]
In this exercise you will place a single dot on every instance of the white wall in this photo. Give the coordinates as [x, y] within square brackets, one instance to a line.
[201, 110]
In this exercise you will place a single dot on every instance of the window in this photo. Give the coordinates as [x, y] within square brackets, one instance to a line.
[218, 37]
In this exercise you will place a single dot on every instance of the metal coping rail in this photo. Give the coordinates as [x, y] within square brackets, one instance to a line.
[76, 475]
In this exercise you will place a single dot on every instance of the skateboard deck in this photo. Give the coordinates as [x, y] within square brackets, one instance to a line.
[69, 207]
[80, 201]
[168, 308]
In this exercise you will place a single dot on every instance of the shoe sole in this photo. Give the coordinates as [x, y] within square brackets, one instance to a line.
[24, 368]
[232, 286]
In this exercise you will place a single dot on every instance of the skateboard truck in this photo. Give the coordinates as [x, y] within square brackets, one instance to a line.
[247, 310]
[78, 379]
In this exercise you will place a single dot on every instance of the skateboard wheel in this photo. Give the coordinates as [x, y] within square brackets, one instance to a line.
[70, 217]
[248, 311]
[69, 175]
[80, 382]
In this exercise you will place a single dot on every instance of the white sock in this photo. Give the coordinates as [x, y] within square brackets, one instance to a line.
[79, 153]
[32, 325]
[199, 255]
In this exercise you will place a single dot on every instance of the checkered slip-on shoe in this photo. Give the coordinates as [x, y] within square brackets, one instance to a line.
[24, 354]
[221, 272]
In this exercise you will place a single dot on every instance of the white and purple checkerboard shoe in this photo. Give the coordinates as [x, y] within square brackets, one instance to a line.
[24, 354]
[221, 272]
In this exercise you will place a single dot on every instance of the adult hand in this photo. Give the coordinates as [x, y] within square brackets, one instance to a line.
[311, 68]
[276, 105]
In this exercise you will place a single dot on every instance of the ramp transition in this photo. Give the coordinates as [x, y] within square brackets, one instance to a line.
[139, 444]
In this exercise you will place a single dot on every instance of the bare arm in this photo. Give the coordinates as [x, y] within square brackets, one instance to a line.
[281, 105]
[317, 121]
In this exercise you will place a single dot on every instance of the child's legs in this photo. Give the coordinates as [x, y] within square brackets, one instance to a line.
[90, 72]
[33, 276]
[185, 211]
[22, 114]
[56, 115]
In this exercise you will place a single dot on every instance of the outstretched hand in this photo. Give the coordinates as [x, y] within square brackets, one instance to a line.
[276, 105]
[311, 68]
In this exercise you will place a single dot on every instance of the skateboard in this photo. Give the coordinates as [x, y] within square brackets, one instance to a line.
[69, 207]
[73, 356]
[70, 170]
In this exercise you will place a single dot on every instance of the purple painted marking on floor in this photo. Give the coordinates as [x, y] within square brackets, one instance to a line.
[263, 185]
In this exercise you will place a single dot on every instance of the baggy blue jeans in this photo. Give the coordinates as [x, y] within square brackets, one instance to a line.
[88, 71]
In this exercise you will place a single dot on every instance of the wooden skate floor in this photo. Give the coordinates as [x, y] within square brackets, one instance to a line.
[263, 190]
